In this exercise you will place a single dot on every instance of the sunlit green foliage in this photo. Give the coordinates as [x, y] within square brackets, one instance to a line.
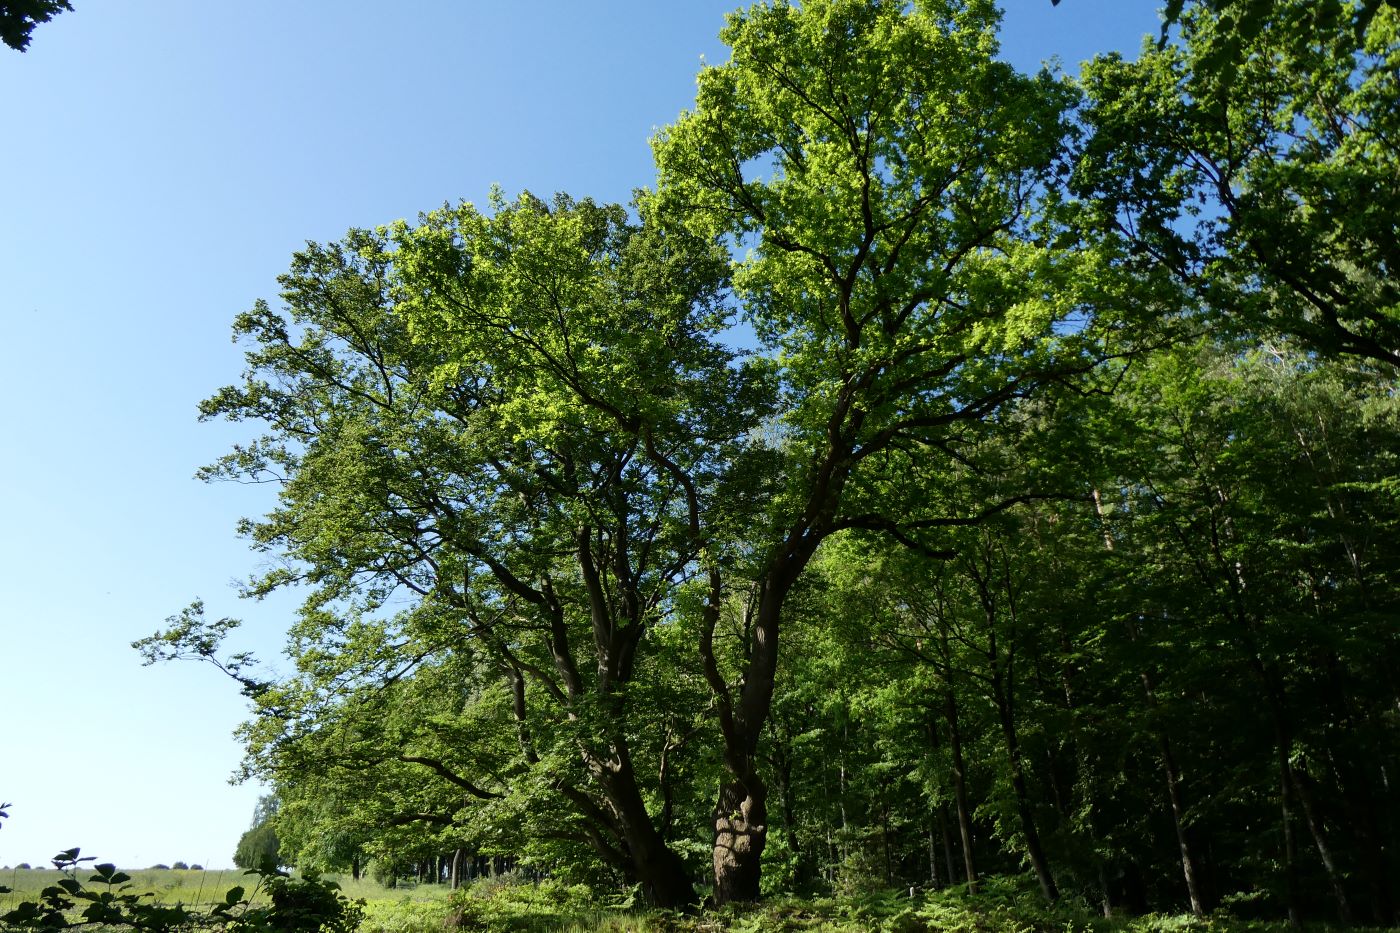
[1045, 532]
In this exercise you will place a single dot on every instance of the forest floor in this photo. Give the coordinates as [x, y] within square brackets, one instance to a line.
[1004, 907]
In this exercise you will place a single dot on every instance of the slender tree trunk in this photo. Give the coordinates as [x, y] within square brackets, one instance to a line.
[885, 844]
[950, 707]
[932, 857]
[782, 772]
[1189, 868]
[1267, 671]
[1290, 844]
[1024, 811]
[1357, 793]
[947, 846]
[1359, 801]
[1293, 789]
[1324, 851]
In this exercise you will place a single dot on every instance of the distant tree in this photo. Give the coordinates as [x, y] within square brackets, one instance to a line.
[159, 866]
[180, 866]
[23, 866]
[266, 808]
[19, 17]
[196, 867]
[258, 848]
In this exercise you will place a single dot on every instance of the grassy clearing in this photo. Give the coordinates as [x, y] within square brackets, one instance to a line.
[200, 890]
[373, 892]
[195, 888]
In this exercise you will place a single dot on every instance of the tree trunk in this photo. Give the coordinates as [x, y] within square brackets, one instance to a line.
[782, 771]
[1293, 789]
[1357, 793]
[932, 858]
[1189, 869]
[885, 843]
[947, 846]
[664, 879]
[740, 812]
[950, 707]
[1034, 851]
[660, 871]
[741, 832]
[1290, 846]
[1324, 851]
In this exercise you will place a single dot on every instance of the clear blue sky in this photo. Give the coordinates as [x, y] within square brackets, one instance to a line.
[161, 161]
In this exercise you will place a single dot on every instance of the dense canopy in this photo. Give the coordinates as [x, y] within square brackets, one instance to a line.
[941, 472]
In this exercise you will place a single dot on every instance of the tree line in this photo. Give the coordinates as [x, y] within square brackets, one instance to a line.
[1039, 517]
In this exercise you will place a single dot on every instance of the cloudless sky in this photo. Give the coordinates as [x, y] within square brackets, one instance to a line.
[159, 162]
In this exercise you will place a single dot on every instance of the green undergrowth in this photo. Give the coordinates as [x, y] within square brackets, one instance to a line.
[1002, 907]
[509, 904]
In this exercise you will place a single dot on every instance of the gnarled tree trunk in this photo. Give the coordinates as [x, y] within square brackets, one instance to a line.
[741, 832]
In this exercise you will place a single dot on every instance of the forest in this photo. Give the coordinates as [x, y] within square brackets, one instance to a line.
[938, 473]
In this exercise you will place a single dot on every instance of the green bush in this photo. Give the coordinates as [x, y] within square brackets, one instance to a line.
[405, 916]
[106, 899]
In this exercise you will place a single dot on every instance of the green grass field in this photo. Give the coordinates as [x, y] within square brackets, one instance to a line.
[194, 888]
[168, 886]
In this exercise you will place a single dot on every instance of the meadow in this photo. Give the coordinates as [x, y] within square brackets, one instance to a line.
[195, 888]
[166, 885]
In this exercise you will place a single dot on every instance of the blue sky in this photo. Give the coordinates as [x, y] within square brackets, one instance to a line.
[161, 161]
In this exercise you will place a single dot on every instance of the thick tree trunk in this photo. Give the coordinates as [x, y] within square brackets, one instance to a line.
[741, 812]
[741, 832]
[663, 876]
[660, 871]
